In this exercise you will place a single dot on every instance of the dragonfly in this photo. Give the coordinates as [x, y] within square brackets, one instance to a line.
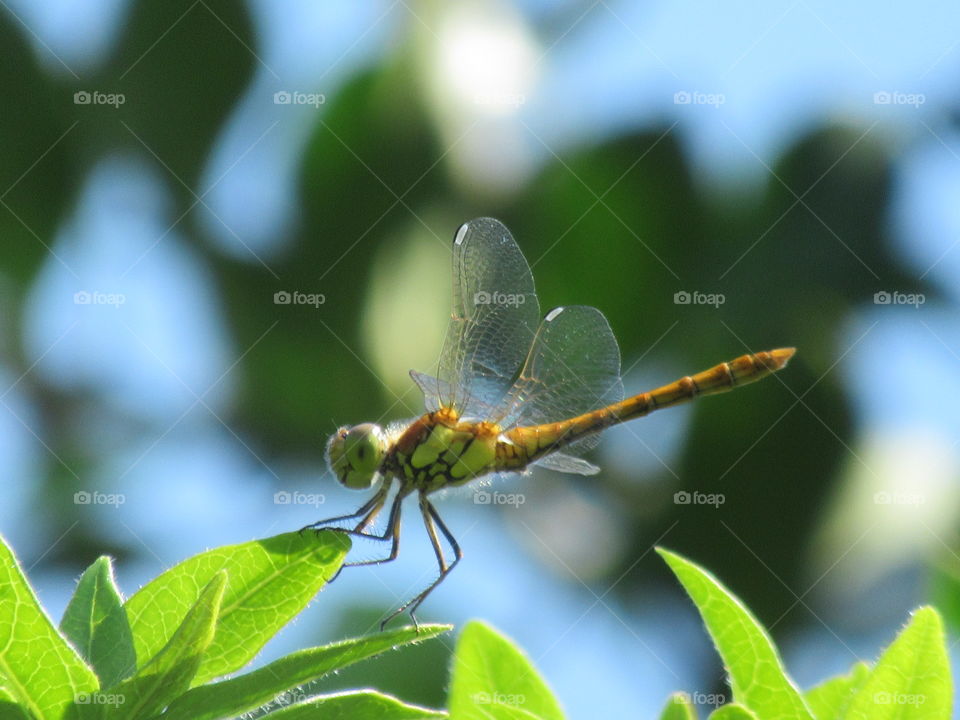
[512, 392]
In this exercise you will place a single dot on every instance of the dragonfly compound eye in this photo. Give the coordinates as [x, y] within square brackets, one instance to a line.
[355, 454]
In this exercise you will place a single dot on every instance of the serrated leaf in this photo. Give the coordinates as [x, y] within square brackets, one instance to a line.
[678, 707]
[269, 581]
[492, 678]
[757, 677]
[361, 705]
[170, 672]
[829, 699]
[232, 697]
[911, 680]
[40, 669]
[732, 711]
[96, 623]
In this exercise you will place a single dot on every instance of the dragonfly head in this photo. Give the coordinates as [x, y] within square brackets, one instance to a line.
[354, 454]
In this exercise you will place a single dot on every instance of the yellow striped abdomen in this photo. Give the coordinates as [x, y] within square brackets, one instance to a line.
[526, 444]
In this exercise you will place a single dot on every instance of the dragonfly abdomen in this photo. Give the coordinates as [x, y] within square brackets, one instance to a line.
[525, 445]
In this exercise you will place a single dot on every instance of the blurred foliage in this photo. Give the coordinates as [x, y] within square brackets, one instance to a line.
[636, 227]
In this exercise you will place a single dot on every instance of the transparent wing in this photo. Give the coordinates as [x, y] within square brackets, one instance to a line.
[434, 390]
[573, 368]
[561, 462]
[493, 321]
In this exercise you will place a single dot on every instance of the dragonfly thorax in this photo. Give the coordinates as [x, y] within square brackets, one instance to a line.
[354, 454]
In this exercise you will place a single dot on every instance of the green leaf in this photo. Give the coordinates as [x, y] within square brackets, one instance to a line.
[911, 680]
[232, 697]
[492, 678]
[678, 707]
[732, 711]
[39, 668]
[361, 705]
[757, 676]
[269, 581]
[96, 624]
[170, 672]
[829, 699]
[9, 709]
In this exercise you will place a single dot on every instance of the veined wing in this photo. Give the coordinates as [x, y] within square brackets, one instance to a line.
[573, 368]
[493, 321]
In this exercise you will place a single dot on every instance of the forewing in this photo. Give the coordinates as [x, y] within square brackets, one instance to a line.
[493, 321]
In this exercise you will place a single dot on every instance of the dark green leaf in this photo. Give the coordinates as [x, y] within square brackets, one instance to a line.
[96, 624]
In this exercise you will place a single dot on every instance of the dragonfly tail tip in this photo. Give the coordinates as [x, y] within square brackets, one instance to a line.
[781, 356]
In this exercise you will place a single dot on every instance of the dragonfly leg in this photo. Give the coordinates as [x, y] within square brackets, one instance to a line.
[391, 533]
[431, 520]
[369, 511]
[369, 508]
